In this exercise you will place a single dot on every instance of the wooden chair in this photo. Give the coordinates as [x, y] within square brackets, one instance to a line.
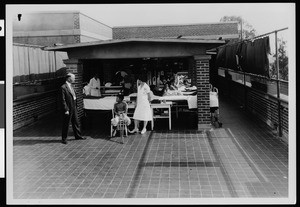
[121, 127]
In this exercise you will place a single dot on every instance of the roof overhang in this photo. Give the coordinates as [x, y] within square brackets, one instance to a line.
[138, 48]
[120, 41]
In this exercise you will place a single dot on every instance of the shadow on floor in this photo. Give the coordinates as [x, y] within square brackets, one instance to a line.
[33, 142]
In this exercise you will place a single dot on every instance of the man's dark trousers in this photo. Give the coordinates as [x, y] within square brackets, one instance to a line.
[73, 117]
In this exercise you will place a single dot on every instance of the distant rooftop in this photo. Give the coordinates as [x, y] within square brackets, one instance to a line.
[173, 31]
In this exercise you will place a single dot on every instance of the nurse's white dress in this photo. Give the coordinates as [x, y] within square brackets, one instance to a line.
[143, 111]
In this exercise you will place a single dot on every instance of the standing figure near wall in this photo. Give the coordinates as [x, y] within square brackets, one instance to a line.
[69, 103]
[95, 86]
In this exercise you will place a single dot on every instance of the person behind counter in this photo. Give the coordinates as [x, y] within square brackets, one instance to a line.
[95, 86]
[172, 85]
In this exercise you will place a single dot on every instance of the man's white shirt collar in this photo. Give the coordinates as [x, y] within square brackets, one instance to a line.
[70, 87]
[69, 84]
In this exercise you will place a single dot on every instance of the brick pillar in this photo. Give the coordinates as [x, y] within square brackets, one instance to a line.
[202, 77]
[192, 71]
[75, 66]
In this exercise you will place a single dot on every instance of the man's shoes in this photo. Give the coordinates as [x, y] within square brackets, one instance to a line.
[80, 138]
[64, 141]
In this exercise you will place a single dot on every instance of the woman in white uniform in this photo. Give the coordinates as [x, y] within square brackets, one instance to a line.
[142, 111]
[95, 86]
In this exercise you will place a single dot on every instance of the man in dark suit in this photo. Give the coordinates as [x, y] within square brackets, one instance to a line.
[70, 109]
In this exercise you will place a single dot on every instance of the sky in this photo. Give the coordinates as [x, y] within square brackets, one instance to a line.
[264, 17]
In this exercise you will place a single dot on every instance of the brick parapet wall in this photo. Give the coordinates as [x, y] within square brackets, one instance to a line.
[30, 110]
[261, 105]
[202, 79]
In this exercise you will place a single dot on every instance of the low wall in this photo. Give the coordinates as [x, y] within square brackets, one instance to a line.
[29, 109]
[262, 105]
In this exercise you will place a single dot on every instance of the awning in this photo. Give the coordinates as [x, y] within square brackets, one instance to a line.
[138, 48]
[118, 41]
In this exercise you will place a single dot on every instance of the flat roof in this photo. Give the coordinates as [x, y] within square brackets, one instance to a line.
[116, 41]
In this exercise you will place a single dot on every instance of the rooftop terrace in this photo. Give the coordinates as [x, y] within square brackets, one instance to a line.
[243, 159]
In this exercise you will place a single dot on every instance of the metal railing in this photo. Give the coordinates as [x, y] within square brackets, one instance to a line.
[278, 81]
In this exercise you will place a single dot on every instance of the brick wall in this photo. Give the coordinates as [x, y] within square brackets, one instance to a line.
[31, 109]
[220, 28]
[202, 77]
[192, 71]
[263, 106]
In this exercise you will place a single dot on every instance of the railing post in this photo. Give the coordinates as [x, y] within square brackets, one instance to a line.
[28, 58]
[245, 92]
[278, 87]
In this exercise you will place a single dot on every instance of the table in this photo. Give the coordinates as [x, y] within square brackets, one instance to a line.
[189, 99]
[166, 105]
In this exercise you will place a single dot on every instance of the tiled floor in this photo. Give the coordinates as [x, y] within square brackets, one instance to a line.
[242, 159]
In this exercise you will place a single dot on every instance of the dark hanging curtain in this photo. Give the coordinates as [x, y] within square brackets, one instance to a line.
[250, 56]
[226, 57]
[220, 57]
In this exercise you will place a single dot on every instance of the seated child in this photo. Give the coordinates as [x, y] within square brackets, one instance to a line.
[120, 112]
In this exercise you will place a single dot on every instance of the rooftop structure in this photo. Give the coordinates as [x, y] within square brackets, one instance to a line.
[69, 27]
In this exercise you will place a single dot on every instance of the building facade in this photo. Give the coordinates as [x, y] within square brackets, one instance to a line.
[47, 29]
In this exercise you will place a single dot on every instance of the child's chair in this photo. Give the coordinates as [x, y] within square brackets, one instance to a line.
[121, 127]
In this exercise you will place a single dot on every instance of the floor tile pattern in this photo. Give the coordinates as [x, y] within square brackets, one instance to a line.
[242, 159]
